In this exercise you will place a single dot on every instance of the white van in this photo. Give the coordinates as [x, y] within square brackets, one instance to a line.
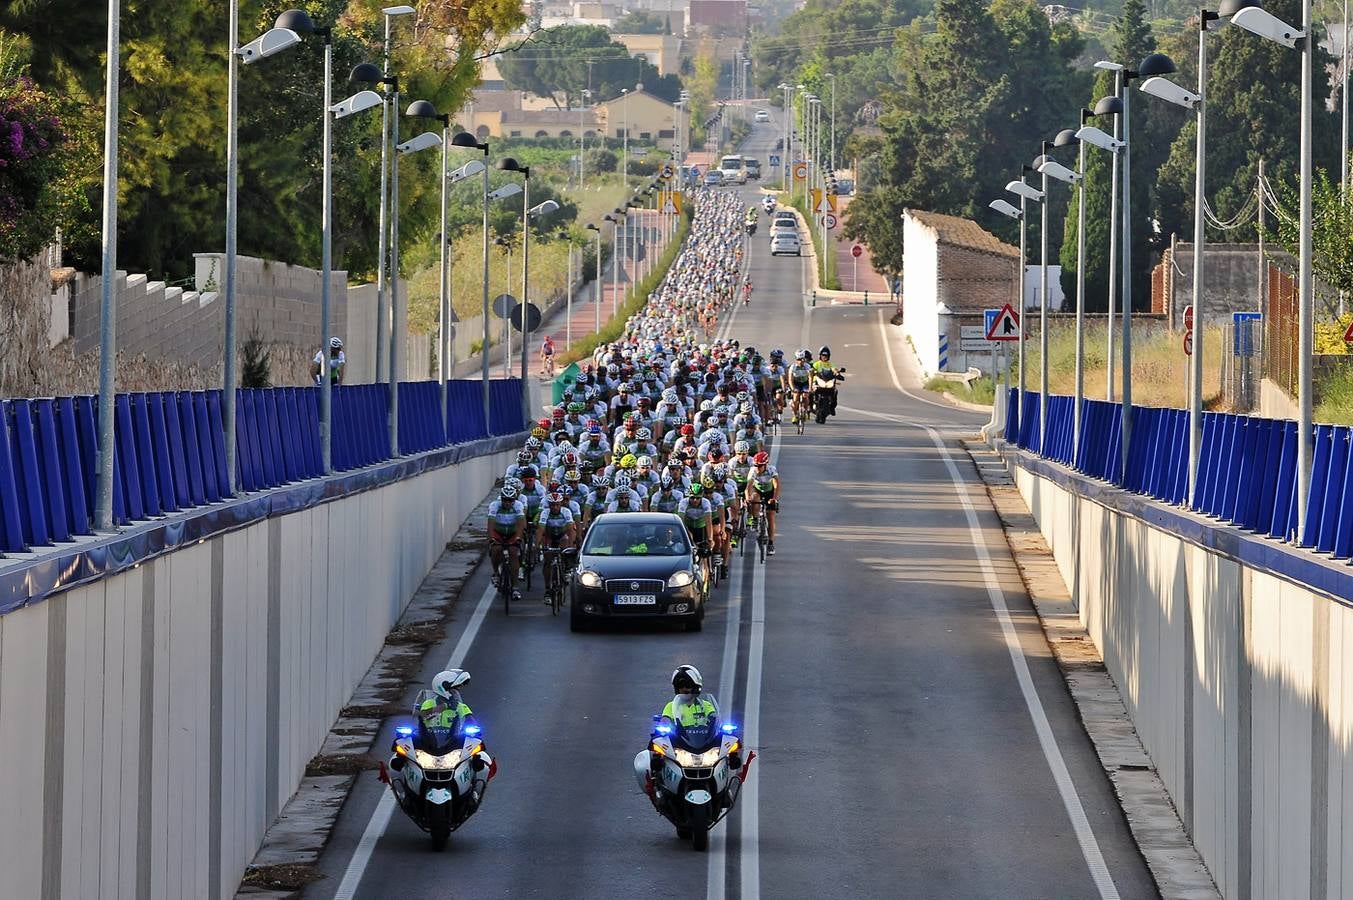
[733, 170]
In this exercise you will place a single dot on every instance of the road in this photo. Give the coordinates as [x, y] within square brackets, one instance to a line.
[915, 736]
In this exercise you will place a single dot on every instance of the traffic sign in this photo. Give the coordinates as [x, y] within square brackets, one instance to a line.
[670, 203]
[1002, 324]
[972, 339]
[532, 316]
[503, 304]
[667, 171]
[823, 202]
[828, 220]
[1188, 343]
[1348, 334]
[800, 171]
[857, 251]
[1243, 340]
[775, 159]
[1188, 317]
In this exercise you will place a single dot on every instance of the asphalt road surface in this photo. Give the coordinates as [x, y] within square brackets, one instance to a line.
[915, 738]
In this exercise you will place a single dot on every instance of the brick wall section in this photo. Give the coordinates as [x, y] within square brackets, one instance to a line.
[976, 280]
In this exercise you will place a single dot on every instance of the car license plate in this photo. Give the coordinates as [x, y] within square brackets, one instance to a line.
[635, 599]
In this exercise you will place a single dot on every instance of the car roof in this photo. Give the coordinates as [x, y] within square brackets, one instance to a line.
[640, 518]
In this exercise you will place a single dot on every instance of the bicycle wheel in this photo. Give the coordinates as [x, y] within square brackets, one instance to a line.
[761, 536]
[504, 583]
[557, 573]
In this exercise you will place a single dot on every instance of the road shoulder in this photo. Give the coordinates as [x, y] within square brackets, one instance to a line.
[1151, 816]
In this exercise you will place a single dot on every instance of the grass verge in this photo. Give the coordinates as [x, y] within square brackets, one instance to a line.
[826, 262]
[982, 391]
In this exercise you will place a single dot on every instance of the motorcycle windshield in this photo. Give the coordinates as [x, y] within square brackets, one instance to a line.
[439, 729]
[697, 721]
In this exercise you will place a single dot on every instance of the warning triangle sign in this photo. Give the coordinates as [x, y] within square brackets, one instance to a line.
[671, 203]
[1005, 327]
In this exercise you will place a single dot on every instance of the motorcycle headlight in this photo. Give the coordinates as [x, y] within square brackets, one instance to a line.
[680, 579]
[687, 760]
[428, 761]
[589, 579]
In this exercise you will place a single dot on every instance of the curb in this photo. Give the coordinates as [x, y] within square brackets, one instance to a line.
[292, 845]
[1151, 816]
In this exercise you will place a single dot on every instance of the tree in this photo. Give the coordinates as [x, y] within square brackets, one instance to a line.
[571, 58]
[640, 22]
[973, 100]
[1154, 125]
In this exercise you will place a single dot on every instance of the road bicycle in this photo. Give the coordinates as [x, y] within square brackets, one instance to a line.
[502, 576]
[554, 577]
[528, 557]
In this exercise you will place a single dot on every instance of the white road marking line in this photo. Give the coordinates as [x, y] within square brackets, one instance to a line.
[1085, 835]
[751, 726]
[892, 370]
[728, 685]
[380, 816]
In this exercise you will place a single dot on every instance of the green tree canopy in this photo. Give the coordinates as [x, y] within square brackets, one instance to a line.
[562, 62]
[640, 22]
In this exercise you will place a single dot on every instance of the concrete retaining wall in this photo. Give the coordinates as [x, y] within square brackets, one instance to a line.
[154, 723]
[1235, 676]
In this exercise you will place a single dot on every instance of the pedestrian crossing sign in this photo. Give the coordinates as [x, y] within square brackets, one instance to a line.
[670, 203]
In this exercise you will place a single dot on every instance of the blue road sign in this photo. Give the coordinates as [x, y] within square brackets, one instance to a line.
[989, 319]
[1242, 342]
[775, 159]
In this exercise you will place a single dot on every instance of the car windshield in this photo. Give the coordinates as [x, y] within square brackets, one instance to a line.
[700, 730]
[636, 539]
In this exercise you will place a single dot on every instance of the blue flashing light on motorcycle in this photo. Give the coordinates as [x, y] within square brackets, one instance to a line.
[663, 730]
[404, 731]
[473, 730]
[729, 728]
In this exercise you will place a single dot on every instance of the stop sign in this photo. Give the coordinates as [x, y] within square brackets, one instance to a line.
[856, 251]
[1188, 317]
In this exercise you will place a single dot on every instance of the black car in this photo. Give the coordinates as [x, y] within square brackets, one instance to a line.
[637, 565]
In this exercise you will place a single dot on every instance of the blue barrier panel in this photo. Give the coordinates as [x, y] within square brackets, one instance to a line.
[1268, 491]
[72, 464]
[274, 423]
[1320, 465]
[11, 523]
[286, 437]
[306, 438]
[193, 457]
[145, 456]
[505, 406]
[1206, 467]
[207, 448]
[272, 466]
[1115, 451]
[1242, 469]
[1343, 529]
[248, 467]
[1284, 505]
[466, 414]
[1226, 475]
[378, 433]
[1012, 415]
[217, 425]
[49, 457]
[124, 458]
[32, 500]
[159, 448]
[1179, 470]
[1158, 458]
[309, 403]
[1247, 511]
[1331, 498]
[178, 457]
[89, 444]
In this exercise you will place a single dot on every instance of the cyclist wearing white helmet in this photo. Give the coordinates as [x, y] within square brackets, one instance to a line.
[507, 523]
[335, 362]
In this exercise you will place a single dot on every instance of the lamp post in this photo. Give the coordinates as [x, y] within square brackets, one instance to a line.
[508, 164]
[1250, 15]
[299, 22]
[618, 255]
[1040, 166]
[422, 109]
[103, 502]
[597, 300]
[1050, 168]
[390, 102]
[1026, 194]
[832, 76]
[1066, 138]
[506, 244]
[273, 41]
[1159, 86]
[787, 157]
[1017, 213]
[466, 140]
[1115, 111]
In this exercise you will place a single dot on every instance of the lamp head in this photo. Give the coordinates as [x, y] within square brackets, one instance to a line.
[366, 73]
[422, 109]
[1155, 65]
[465, 139]
[297, 20]
[1108, 66]
[1109, 106]
[398, 10]
[274, 40]
[1065, 138]
[1005, 208]
[510, 164]
[1257, 20]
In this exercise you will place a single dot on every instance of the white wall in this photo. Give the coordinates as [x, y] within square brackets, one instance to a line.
[153, 723]
[920, 298]
[1238, 684]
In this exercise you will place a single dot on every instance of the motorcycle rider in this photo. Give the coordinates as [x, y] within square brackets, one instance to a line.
[686, 681]
[823, 367]
[448, 709]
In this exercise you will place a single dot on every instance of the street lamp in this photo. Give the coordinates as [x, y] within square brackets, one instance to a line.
[597, 301]
[1066, 138]
[425, 110]
[1041, 166]
[1250, 15]
[1026, 194]
[1112, 300]
[1006, 208]
[391, 102]
[508, 164]
[615, 260]
[271, 42]
[299, 21]
[786, 157]
[1162, 87]
[465, 140]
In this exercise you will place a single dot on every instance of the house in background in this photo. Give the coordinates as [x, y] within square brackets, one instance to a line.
[663, 51]
[650, 119]
[952, 271]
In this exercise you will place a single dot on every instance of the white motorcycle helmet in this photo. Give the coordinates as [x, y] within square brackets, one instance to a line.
[447, 684]
[685, 675]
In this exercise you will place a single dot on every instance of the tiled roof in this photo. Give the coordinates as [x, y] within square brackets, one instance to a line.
[959, 232]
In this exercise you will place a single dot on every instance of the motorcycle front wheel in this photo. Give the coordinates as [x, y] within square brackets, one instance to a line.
[700, 838]
[439, 827]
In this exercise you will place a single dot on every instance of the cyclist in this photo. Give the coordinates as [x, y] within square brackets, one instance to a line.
[799, 378]
[698, 514]
[507, 522]
[763, 485]
[667, 498]
[547, 356]
[336, 362]
[557, 530]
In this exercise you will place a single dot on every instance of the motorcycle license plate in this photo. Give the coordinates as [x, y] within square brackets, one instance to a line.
[636, 599]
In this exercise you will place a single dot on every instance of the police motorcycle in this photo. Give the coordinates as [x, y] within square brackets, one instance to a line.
[439, 768]
[749, 223]
[693, 774]
[824, 392]
[768, 204]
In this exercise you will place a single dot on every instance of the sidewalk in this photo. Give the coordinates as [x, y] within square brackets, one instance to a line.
[556, 323]
[855, 275]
